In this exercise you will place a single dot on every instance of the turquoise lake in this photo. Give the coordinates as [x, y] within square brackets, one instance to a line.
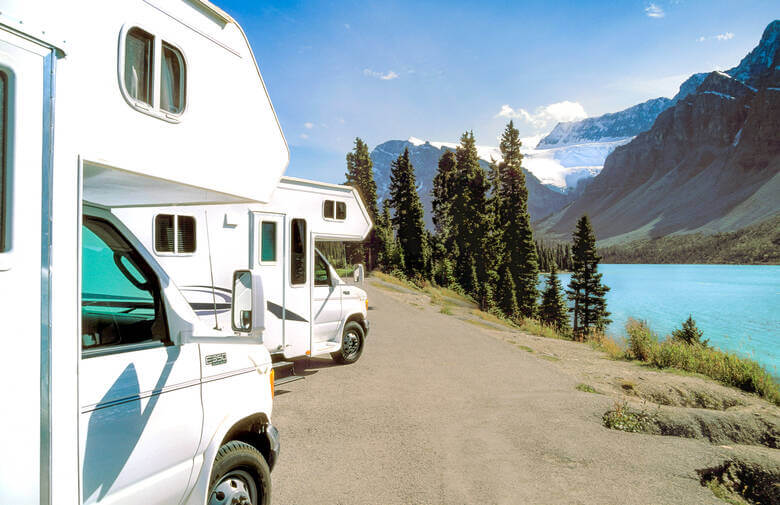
[736, 306]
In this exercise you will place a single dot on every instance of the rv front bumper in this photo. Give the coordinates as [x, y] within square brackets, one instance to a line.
[271, 434]
[367, 326]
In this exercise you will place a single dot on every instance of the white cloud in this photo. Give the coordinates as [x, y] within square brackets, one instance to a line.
[720, 37]
[304, 136]
[546, 116]
[379, 75]
[346, 25]
[654, 11]
[308, 125]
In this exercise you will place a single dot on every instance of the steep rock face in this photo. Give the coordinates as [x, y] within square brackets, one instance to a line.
[542, 200]
[709, 163]
[761, 62]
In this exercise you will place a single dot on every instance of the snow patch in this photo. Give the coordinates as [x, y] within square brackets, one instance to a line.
[722, 95]
[736, 138]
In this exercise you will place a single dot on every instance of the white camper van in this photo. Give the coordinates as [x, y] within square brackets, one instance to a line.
[113, 389]
[310, 311]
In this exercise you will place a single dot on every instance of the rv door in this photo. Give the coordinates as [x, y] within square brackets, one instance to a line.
[24, 270]
[268, 259]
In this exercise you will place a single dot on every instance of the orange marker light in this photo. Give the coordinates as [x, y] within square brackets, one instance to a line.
[271, 378]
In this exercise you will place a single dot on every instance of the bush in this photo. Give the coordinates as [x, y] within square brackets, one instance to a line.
[641, 341]
[690, 334]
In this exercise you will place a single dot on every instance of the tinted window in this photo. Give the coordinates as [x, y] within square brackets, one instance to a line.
[328, 209]
[138, 65]
[298, 252]
[268, 241]
[172, 80]
[321, 271]
[185, 234]
[341, 210]
[120, 295]
[3, 228]
[163, 233]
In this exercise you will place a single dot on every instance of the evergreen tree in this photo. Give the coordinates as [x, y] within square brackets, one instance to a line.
[553, 310]
[515, 222]
[390, 257]
[360, 175]
[690, 334]
[585, 289]
[507, 298]
[408, 216]
[441, 194]
[469, 222]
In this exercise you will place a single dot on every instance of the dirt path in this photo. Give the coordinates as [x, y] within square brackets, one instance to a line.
[438, 410]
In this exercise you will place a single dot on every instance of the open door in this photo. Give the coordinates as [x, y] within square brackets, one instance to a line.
[270, 237]
[297, 300]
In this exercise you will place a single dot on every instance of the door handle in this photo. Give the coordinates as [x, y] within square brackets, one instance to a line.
[345, 292]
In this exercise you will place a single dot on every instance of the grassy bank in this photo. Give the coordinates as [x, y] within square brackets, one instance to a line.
[640, 343]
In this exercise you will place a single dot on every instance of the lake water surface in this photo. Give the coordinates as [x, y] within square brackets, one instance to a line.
[736, 306]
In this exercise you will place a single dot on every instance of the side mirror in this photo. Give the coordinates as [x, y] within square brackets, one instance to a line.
[359, 274]
[248, 306]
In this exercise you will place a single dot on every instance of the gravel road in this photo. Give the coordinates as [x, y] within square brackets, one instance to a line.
[441, 411]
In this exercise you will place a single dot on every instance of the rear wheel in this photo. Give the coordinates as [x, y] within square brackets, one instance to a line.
[240, 476]
[351, 344]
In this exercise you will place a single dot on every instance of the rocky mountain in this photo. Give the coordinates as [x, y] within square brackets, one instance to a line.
[609, 127]
[709, 163]
[542, 200]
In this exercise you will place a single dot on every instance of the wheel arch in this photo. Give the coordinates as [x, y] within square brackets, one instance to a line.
[358, 318]
[250, 430]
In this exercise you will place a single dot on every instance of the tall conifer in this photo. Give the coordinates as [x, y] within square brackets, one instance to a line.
[408, 216]
[515, 222]
[360, 175]
[585, 289]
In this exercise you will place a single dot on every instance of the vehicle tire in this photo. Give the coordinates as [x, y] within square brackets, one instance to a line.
[240, 475]
[351, 344]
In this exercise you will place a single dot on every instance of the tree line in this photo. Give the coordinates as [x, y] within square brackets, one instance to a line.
[482, 244]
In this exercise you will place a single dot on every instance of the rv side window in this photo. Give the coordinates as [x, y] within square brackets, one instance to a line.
[321, 271]
[174, 234]
[341, 210]
[172, 92]
[327, 210]
[268, 241]
[120, 294]
[138, 65]
[3, 214]
[298, 251]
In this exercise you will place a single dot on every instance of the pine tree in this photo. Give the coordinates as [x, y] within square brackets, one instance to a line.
[441, 193]
[690, 334]
[389, 255]
[408, 217]
[516, 233]
[507, 299]
[360, 175]
[470, 221]
[585, 289]
[553, 310]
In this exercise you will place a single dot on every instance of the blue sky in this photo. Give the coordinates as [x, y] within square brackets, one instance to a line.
[391, 70]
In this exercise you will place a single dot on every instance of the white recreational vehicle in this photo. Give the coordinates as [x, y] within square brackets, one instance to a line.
[115, 391]
[309, 310]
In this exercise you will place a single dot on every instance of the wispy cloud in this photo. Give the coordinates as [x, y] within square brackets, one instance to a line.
[547, 116]
[379, 75]
[346, 25]
[654, 11]
[720, 37]
[308, 125]
[304, 136]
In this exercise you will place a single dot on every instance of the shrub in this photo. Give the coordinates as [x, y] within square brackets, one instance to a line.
[689, 333]
[641, 341]
[624, 418]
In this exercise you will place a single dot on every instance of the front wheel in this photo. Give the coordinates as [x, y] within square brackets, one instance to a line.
[351, 344]
[240, 476]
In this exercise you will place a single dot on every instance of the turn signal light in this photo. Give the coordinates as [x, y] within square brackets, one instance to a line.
[271, 378]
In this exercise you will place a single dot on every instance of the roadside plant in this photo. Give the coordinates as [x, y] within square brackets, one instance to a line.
[642, 343]
[585, 289]
[690, 334]
[553, 310]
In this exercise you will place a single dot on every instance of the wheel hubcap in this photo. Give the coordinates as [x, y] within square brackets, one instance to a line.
[351, 344]
[235, 488]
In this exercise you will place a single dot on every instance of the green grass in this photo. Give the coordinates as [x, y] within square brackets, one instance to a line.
[525, 348]
[445, 309]
[723, 493]
[624, 418]
[723, 366]
[586, 388]
[549, 357]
